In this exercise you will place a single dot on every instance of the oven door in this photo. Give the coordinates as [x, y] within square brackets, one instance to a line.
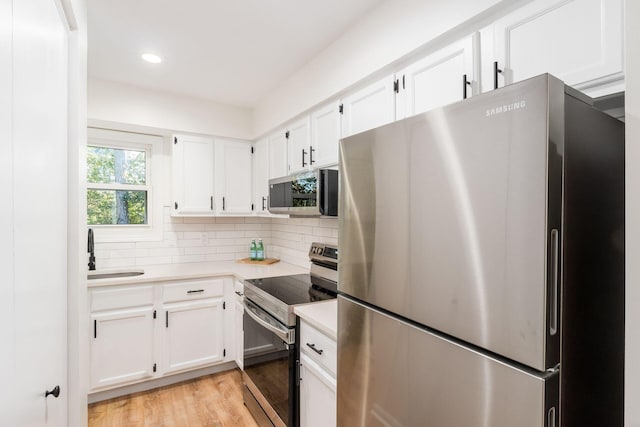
[269, 368]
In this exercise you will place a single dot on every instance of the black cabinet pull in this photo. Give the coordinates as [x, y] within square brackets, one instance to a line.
[465, 83]
[496, 71]
[196, 291]
[211, 202]
[239, 293]
[313, 347]
[311, 150]
[303, 154]
[264, 200]
[55, 392]
[223, 203]
[166, 319]
[95, 328]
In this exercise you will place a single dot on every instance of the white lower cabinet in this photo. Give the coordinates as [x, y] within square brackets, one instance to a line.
[239, 314]
[317, 395]
[194, 335]
[238, 323]
[146, 331]
[122, 346]
[318, 358]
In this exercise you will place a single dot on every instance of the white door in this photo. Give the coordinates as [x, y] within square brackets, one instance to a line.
[437, 79]
[578, 41]
[33, 242]
[369, 108]
[233, 177]
[239, 314]
[194, 335]
[122, 346]
[192, 175]
[278, 155]
[325, 134]
[261, 175]
[299, 145]
[317, 395]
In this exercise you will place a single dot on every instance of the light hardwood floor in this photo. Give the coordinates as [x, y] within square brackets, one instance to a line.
[214, 400]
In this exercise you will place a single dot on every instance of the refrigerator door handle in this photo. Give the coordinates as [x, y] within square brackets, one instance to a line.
[553, 301]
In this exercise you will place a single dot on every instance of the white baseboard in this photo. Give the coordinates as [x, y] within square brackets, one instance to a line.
[158, 382]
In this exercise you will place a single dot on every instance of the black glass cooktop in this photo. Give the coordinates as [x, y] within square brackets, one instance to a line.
[292, 290]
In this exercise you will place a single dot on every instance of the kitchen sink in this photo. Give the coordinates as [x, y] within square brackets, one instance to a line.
[92, 275]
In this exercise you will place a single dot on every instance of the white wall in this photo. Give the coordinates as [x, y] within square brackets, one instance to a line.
[7, 315]
[632, 194]
[121, 103]
[389, 32]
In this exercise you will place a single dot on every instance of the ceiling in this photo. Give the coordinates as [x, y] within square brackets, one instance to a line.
[230, 51]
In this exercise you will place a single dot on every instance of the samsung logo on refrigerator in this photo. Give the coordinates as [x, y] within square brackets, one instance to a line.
[506, 107]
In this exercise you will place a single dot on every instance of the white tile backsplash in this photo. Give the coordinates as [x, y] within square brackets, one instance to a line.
[221, 239]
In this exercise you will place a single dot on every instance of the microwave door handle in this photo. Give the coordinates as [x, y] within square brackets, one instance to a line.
[321, 190]
[251, 310]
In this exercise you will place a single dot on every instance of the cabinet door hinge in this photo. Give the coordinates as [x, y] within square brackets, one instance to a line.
[224, 352]
[341, 108]
[155, 314]
[154, 367]
[396, 86]
[286, 134]
[175, 139]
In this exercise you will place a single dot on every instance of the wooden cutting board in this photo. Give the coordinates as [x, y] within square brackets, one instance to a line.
[265, 261]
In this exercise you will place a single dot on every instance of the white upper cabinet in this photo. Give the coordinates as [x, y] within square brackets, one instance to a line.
[441, 78]
[192, 175]
[325, 134]
[299, 145]
[578, 41]
[233, 177]
[261, 175]
[369, 108]
[278, 166]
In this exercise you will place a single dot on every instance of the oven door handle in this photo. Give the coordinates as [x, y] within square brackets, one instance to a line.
[255, 313]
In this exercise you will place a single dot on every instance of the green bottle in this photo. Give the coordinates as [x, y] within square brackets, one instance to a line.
[260, 251]
[253, 250]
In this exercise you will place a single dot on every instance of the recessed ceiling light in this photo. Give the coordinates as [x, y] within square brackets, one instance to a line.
[153, 58]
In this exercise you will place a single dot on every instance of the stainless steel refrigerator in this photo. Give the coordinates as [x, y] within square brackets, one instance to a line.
[481, 265]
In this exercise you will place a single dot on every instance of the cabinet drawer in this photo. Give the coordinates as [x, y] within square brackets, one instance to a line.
[194, 289]
[114, 298]
[319, 347]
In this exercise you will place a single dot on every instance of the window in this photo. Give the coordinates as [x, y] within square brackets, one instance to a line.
[121, 178]
[117, 187]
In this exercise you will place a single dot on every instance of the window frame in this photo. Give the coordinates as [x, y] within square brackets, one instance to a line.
[152, 146]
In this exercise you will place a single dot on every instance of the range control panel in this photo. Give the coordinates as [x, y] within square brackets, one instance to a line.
[323, 252]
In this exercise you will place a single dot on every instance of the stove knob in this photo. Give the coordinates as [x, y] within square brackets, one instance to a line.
[319, 251]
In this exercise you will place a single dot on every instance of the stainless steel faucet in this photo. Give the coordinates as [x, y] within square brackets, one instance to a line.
[90, 249]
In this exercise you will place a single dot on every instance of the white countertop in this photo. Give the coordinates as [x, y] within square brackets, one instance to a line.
[322, 315]
[160, 273]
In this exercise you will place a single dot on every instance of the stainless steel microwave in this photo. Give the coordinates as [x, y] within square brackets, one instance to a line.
[312, 193]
